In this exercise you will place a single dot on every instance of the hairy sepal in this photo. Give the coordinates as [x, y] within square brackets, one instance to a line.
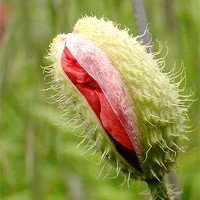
[160, 112]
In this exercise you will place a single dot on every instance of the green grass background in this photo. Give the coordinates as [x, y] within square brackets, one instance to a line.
[38, 157]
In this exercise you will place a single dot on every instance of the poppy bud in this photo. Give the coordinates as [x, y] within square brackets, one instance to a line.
[131, 111]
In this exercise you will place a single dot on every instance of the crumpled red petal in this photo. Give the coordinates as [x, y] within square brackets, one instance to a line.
[95, 97]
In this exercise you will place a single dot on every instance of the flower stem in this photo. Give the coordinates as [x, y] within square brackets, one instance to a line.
[141, 22]
[158, 190]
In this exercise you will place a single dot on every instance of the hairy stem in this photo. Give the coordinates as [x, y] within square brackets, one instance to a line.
[158, 189]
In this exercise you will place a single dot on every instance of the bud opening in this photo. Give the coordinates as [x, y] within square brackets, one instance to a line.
[96, 98]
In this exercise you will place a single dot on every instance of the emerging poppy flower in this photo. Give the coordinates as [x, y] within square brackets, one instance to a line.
[95, 96]
[131, 111]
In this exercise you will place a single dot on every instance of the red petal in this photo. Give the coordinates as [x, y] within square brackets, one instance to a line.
[111, 123]
[73, 70]
[91, 96]
[95, 97]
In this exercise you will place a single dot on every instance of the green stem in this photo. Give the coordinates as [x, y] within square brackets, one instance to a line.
[158, 189]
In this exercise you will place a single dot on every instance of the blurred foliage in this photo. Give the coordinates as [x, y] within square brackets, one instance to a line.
[39, 159]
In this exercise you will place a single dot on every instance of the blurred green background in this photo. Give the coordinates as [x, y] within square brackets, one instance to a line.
[39, 159]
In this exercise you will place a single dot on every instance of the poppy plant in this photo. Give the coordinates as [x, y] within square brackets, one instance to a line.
[131, 111]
